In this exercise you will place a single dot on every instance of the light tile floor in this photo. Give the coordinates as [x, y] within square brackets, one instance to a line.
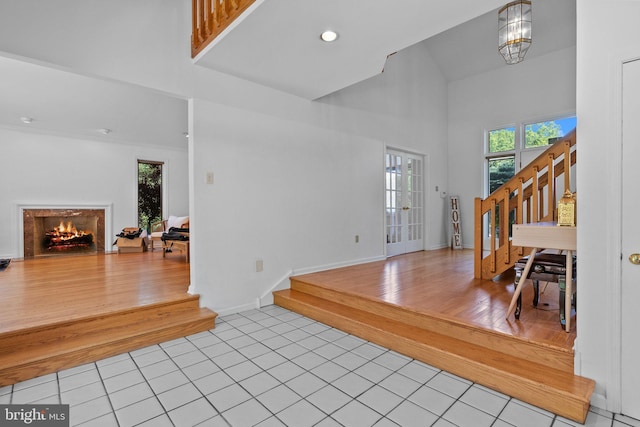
[273, 367]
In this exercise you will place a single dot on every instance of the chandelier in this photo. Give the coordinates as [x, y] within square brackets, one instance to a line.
[514, 30]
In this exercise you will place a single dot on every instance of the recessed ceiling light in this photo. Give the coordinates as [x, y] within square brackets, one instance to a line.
[26, 120]
[104, 131]
[329, 36]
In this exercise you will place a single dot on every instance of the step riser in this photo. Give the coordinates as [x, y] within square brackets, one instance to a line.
[93, 326]
[572, 407]
[56, 362]
[550, 356]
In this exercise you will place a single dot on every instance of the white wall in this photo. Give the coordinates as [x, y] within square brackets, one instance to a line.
[535, 89]
[294, 180]
[295, 192]
[600, 54]
[284, 192]
[37, 168]
[405, 107]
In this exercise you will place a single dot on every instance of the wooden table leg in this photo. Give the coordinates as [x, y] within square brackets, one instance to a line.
[568, 291]
[518, 289]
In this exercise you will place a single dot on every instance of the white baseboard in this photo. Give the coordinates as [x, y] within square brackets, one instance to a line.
[315, 269]
[283, 283]
[237, 309]
[599, 400]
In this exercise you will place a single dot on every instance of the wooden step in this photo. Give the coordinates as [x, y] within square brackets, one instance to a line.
[553, 356]
[39, 350]
[528, 379]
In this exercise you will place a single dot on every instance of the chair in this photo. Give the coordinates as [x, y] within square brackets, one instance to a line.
[160, 227]
[157, 228]
[547, 267]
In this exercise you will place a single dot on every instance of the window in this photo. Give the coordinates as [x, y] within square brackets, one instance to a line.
[546, 133]
[510, 148]
[501, 140]
[149, 193]
[501, 144]
[501, 170]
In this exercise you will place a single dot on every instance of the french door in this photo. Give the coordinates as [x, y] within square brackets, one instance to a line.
[404, 202]
[630, 239]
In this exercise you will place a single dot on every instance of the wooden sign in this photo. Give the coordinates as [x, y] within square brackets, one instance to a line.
[456, 230]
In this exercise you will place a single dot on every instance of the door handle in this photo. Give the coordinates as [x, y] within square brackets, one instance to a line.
[634, 259]
[405, 208]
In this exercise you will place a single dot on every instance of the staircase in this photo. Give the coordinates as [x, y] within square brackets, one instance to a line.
[40, 350]
[529, 196]
[539, 374]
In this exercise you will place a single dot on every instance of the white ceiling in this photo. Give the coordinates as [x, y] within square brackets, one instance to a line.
[69, 104]
[472, 48]
[277, 44]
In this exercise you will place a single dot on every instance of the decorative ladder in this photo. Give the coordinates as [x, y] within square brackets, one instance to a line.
[531, 196]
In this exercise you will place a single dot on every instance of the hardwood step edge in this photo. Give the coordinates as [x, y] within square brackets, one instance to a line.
[61, 346]
[492, 357]
[558, 356]
[573, 405]
[96, 324]
[187, 299]
[50, 363]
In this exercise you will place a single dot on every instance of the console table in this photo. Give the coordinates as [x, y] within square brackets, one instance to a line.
[545, 235]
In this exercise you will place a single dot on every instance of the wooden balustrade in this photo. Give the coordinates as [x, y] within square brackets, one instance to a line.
[529, 196]
[210, 18]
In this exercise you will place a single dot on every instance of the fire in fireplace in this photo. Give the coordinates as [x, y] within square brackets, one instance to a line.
[50, 232]
[65, 237]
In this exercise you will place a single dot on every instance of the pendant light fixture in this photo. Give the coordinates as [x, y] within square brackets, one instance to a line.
[514, 30]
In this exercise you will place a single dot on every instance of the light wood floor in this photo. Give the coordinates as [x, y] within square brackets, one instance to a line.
[41, 291]
[442, 282]
[47, 290]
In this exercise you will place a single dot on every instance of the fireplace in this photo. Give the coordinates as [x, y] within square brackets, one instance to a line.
[51, 232]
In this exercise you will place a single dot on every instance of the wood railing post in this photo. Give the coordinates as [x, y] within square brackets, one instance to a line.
[519, 208]
[477, 238]
[492, 234]
[551, 188]
[535, 212]
[504, 225]
[202, 27]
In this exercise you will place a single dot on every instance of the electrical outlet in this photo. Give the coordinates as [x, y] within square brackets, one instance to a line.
[357, 238]
[208, 179]
[259, 265]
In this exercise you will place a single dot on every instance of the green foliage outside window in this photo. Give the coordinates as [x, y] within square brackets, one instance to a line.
[149, 194]
[500, 171]
[502, 140]
[539, 134]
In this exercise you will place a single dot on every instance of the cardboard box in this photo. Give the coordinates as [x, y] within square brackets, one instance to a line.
[126, 246]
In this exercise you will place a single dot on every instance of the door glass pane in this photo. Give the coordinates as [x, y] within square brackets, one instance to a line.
[414, 198]
[393, 198]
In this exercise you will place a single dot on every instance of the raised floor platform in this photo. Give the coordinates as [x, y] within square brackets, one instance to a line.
[427, 305]
[60, 312]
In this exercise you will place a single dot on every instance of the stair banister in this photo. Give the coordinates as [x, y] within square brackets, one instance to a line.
[525, 190]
